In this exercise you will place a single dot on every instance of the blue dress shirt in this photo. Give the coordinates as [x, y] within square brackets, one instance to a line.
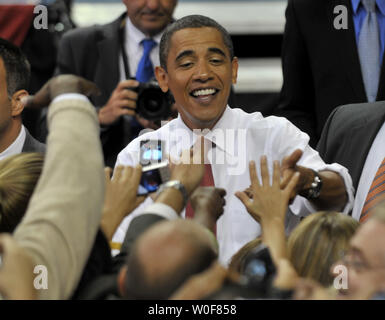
[359, 14]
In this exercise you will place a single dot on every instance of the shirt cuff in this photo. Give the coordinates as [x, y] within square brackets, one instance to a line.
[162, 210]
[70, 96]
[304, 207]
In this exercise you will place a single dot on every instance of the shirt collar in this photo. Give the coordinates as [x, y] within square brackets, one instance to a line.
[355, 4]
[380, 5]
[225, 122]
[16, 147]
[136, 35]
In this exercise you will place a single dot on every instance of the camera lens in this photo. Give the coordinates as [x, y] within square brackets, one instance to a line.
[153, 103]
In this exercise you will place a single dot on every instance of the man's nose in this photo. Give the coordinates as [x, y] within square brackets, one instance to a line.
[153, 4]
[203, 72]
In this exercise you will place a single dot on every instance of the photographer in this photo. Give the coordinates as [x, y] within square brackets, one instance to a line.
[112, 56]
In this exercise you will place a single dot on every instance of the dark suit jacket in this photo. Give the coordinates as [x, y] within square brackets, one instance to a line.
[93, 53]
[99, 279]
[321, 67]
[31, 144]
[348, 135]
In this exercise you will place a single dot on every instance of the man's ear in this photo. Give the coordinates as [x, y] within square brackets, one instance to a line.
[234, 70]
[18, 103]
[162, 77]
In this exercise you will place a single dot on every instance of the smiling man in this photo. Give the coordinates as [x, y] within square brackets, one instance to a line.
[198, 66]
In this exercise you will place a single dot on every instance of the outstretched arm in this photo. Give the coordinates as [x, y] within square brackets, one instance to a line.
[268, 205]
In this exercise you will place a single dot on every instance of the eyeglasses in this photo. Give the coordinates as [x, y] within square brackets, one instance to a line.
[349, 259]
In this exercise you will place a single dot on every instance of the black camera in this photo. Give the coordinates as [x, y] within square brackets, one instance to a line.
[258, 273]
[153, 103]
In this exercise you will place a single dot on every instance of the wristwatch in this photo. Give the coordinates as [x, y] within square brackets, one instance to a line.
[177, 185]
[314, 191]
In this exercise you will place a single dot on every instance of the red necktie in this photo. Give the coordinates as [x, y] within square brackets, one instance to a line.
[207, 181]
[376, 194]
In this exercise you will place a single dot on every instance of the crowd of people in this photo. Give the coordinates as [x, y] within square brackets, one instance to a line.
[250, 208]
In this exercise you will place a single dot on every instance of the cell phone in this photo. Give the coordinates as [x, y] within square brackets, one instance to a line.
[152, 177]
[155, 169]
[151, 152]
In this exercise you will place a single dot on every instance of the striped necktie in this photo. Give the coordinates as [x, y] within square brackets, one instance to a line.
[376, 194]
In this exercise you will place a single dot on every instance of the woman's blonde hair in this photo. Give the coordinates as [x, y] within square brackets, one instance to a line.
[18, 177]
[318, 242]
[237, 262]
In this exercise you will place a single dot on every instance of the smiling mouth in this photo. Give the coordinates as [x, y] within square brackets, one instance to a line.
[204, 93]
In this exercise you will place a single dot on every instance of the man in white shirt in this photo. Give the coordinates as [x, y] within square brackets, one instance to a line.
[14, 79]
[110, 55]
[198, 66]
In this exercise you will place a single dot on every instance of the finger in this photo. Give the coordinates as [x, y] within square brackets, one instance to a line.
[291, 160]
[126, 174]
[130, 83]
[139, 200]
[128, 94]
[137, 174]
[253, 174]
[107, 174]
[123, 112]
[125, 103]
[292, 183]
[221, 191]
[264, 171]
[276, 173]
[286, 178]
[118, 172]
[244, 198]
[90, 88]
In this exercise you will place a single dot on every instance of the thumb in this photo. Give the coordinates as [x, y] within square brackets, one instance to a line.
[244, 198]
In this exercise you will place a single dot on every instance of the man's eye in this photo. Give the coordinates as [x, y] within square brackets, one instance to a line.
[216, 61]
[186, 64]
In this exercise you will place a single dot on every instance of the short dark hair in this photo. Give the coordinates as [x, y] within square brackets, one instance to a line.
[16, 66]
[192, 21]
[138, 287]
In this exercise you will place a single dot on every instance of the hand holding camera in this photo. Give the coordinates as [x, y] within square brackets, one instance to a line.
[145, 101]
[122, 102]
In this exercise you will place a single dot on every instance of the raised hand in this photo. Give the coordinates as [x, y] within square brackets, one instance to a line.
[269, 201]
[120, 196]
[66, 83]
[121, 102]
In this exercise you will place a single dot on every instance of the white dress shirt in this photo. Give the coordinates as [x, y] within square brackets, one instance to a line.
[373, 160]
[239, 138]
[16, 147]
[134, 50]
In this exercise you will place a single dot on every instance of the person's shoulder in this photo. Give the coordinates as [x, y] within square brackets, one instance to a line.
[257, 120]
[91, 33]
